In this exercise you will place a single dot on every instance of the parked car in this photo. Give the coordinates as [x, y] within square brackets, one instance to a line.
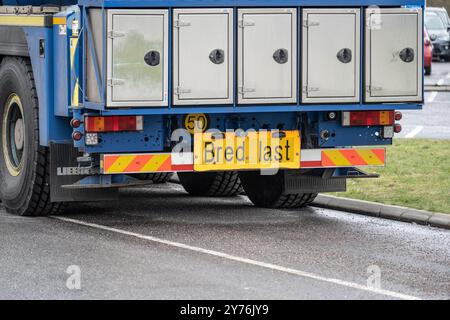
[439, 36]
[428, 53]
[442, 13]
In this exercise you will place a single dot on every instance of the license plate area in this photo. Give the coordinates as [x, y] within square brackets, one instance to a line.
[247, 151]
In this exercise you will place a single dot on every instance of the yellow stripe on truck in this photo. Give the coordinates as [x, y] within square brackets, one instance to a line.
[73, 48]
[59, 20]
[26, 21]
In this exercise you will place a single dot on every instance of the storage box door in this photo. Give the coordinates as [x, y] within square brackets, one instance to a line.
[203, 56]
[331, 55]
[394, 66]
[267, 56]
[137, 58]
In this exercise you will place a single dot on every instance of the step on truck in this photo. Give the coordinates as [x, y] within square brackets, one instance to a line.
[280, 99]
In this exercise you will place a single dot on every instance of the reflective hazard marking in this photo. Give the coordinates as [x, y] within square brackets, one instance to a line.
[166, 162]
[114, 164]
[353, 157]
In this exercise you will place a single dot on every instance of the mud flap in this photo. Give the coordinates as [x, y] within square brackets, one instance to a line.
[64, 170]
[296, 181]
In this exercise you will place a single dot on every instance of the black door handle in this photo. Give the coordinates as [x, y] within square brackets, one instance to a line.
[407, 55]
[281, 56]
[345, 55]
[217, 56]
[153, 58]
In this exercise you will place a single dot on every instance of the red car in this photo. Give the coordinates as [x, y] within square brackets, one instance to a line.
[428, 53]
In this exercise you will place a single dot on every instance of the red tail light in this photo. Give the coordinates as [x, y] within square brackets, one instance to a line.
[368, 118]
[114, 124]
[75, 123]
[77, 135]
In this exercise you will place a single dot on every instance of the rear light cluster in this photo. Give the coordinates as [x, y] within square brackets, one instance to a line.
[386, 119]
[113, 124]
[368, 118]
[95, 125]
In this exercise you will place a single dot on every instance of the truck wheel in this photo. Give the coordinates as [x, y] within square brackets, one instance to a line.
[211, 184]
[24, 164]
[156, 178]
[268, 191]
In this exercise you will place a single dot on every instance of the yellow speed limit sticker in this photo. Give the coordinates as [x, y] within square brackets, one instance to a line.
[196, 123]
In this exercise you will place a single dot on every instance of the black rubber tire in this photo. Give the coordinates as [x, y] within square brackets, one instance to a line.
[156, 178]
[28, 193]
[428, 71]
[268, 191]
[211, 184]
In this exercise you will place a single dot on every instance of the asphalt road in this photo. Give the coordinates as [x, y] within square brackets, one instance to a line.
[158, 243]
[433, 122]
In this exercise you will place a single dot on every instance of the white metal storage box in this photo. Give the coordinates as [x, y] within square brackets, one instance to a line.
[331, 55]
[394, 53]
[203, 56]
[267, 56]
[137, 66]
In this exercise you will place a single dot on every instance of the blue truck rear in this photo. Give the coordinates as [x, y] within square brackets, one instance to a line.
[100, 95]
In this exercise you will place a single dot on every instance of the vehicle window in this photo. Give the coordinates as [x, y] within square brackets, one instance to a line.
[433, 22]
[443, 16]
[446, 17]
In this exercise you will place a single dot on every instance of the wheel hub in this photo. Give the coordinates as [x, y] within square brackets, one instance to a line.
[19, 134]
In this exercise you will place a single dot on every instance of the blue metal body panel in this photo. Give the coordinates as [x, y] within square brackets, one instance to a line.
[62, 77]
[151, 139]
[258, 109]
[52, 128]
[155, 136]
[349, 136]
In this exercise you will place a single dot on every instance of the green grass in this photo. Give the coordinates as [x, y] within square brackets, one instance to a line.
[417, 175]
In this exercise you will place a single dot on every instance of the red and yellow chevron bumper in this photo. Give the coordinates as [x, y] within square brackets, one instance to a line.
[353, 158]
[310, 159]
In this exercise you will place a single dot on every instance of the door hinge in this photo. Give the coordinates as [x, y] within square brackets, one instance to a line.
[115, 34]
[373, 89]
[307, 89]
[243, 90]
[308, 23]
[179, 91]
[246, 23]
[180, 24]
[374, 23]
[115, 82]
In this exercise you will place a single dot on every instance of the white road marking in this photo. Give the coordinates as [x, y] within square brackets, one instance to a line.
[441, 82]
[432, 96]
[414, 133]
[270, 266]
